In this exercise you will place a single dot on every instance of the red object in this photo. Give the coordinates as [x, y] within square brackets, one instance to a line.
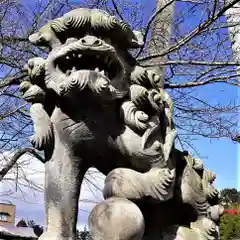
[231, 211]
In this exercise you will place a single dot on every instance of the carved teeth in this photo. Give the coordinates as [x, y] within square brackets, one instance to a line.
[79, 55]
[73, 54]
[97, 69]
[74, 69]
[67, 57]
[57, 68]
[102, 72]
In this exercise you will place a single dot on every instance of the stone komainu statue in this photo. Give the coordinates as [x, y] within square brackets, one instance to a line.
[94, 106]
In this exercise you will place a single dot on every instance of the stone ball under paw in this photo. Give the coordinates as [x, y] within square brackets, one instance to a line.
[116, 219]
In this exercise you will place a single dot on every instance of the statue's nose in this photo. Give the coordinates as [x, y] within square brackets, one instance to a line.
[91, 41]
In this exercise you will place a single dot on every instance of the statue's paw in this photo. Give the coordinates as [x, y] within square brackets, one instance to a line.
[139, 95]
[159, 182]
[124, 183]
[215, 212]
[36, 142]
[24, 86]
[206, 228]
[41, 142]
[35, 69]
[155, 100]
[212, 192]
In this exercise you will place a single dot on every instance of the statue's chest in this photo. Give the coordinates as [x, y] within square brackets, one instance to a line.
[74, 130]
[86, 130]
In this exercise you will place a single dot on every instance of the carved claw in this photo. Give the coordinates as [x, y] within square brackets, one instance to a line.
[206, 228]
[34, 93]
[159, 182]
[139, 76]
[155, 100]
[41, 142]
[126, 183]
[34, 140]
[138, 95]
[24, 86]
[211, 192]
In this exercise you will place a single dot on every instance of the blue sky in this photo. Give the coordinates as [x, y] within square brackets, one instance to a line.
[219, 155]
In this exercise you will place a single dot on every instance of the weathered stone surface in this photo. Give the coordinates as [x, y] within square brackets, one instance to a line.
[124, 220]
[93, 106]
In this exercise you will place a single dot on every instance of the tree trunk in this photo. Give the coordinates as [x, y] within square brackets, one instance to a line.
[161, 32]
[233, 19]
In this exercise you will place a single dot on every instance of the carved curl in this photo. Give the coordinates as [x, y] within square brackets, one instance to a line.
[82, 19]
[133, 117]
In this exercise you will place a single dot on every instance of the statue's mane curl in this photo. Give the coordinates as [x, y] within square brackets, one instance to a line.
[93, 20]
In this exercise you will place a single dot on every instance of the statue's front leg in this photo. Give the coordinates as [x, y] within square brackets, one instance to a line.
[63, 178]
[156, 184]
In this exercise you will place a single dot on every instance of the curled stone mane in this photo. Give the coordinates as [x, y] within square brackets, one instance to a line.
[100, 22]
[93, 105]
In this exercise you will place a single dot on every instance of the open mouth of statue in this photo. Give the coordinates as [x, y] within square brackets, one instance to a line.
[106, 64]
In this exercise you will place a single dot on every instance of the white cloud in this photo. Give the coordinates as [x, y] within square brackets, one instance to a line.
[30, 203]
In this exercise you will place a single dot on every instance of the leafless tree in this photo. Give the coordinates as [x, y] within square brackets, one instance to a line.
[193, 52]
[199, 57]
[17, 21]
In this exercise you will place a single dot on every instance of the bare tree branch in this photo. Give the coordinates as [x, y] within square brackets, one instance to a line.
[16, 156]
[117, 11]
[187, 62]
[197, 30]
[11, 80]
[222, 79]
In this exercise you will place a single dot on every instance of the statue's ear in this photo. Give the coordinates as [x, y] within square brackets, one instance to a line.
[139, 38]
